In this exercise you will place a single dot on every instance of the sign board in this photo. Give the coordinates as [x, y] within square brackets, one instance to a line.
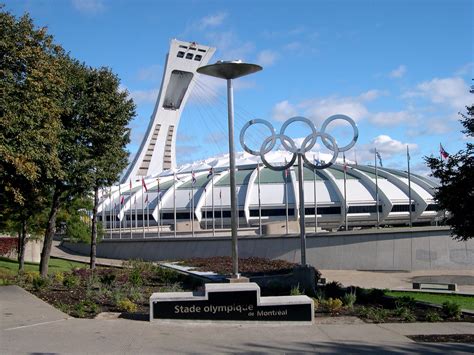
[231, 302]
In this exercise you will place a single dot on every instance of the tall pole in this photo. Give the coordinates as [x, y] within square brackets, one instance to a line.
[409, 187]
[345, 191]
[222, 209]
[286, 200]
[110, 213]
[233, 195]
[143, 212]
[315, 203]
[192, 206]
[259, 201]
[174, 205]
[130, 212]
[377, 189]
[302, 211]
[205, 209]
[120, 204]
[158, 200]
[212, 201]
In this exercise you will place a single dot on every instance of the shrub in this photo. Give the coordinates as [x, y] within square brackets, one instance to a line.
[165, 275]
[451, 310]
[125, 305]
[83, 308]
[295, 291]
[349, 299]
[107, 278]
[320, 295]
[405, 314]
[176, 287]
[40, 282]
[316, 304]
[135, 278]
[405, 302]
[58, 277]
[30, 276]
[377, 315]
[334, 289]
[70, 280]
[433, 316]
[332, 305]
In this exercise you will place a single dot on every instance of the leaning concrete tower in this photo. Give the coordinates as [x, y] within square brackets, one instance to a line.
[157, 151]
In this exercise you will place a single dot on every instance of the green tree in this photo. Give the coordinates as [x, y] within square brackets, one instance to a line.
[109, 111]
[31, 87]
[456, 174]
[73, 176]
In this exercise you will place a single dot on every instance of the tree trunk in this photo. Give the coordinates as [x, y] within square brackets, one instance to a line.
[22, 245]
[94, 228]
[49, 234]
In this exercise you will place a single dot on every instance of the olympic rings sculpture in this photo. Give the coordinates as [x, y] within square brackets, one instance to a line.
[308, 143]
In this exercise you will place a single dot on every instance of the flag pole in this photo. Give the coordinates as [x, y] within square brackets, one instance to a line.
[174, 204]
[130, 213]
[345, 192]
[409, 187]
[120, 209]
[143, 211]
[205, 209]
[259, 201]
[136, 213]
[286, 199]
[315, 201]
[212, 201]
[192, 204]
[158, 202]
[110, 213]
[222, 214]
[377, 189]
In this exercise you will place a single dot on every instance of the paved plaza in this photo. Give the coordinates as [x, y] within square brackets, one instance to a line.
[29, 325]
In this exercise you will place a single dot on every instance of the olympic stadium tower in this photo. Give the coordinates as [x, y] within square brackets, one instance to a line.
[156, 196]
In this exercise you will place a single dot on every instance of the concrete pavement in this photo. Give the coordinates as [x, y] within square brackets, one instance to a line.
[28, 325]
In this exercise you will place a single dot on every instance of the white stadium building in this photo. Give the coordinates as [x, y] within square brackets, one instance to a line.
[155, 192]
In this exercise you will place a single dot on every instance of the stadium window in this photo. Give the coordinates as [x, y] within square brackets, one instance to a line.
[181, 46]
[180, 54]
[189, 56]
[402, 208]
[432, 207]
[197, 57]
[364, 209]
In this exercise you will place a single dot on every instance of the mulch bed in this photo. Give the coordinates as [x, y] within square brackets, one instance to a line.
[443, 338]
[247, 267]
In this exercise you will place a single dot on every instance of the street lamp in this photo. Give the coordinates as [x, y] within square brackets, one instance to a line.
[229, 70]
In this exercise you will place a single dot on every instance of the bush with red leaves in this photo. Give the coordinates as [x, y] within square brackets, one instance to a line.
[7, 245]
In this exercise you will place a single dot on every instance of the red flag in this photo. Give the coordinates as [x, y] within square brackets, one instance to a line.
[130, 184]
[144, 185]
[122, 200]
[146, 199]
[444, 154]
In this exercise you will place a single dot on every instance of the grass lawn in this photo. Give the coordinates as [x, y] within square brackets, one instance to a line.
[466, 302]
[9, 266]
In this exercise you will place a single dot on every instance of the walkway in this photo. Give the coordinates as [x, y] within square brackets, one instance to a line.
[28, 325]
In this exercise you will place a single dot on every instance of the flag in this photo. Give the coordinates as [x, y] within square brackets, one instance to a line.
[286, 170]
[144, 185]
[408, 154]
[211, 172]
[193, 178]
[176, 177]
[345, 163]
[444, 154]
[135, 201]
[146, 199]
[379, 158]
[122, 200]
[158, 186]
[130, 184]
[220, 194]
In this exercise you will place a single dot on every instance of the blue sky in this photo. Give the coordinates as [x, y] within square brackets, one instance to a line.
[401, 69]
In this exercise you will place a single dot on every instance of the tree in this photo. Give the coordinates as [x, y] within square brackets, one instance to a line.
[109, 111]
[456, 174]
[73, 176]
[31, 86]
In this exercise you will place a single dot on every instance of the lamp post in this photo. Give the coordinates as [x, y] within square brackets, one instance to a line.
[230, 70]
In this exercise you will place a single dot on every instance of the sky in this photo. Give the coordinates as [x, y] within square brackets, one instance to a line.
[401, 69]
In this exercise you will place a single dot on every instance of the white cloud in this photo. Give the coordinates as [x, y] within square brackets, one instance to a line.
[151, 73]
[398, 72]
[212, 20]
[446, 91]
[371, 95]
[267, 57]
[465, 69]
[229, 46]
[283, 110]
[391, 118]
[144, 96]
[320, 109]
[89, 6]
[389, 146]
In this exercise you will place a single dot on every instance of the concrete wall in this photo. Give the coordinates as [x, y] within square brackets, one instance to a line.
[388, 249]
